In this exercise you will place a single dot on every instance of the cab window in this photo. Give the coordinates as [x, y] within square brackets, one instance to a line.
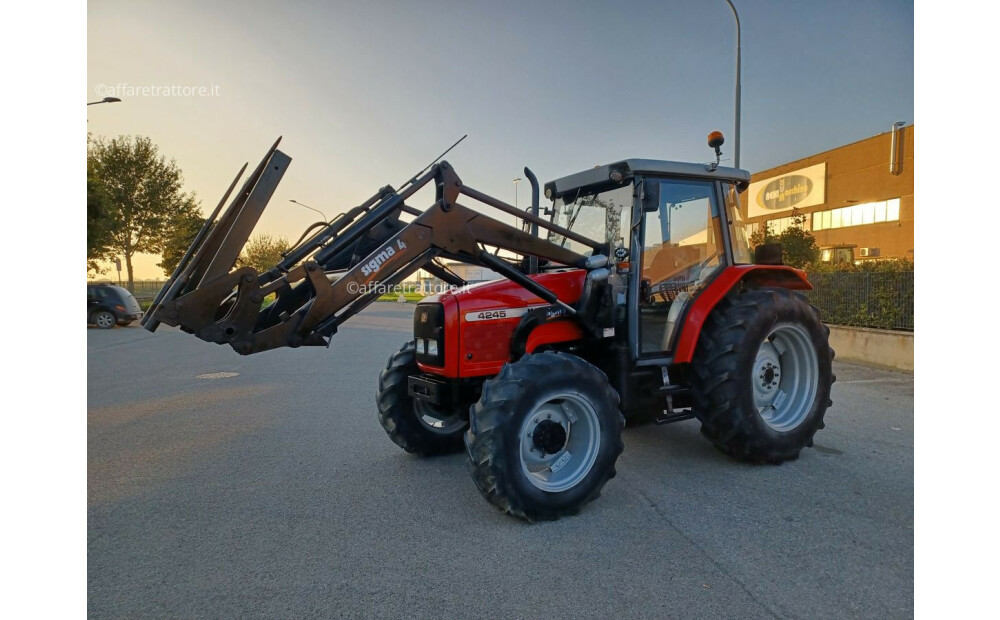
[682, 248]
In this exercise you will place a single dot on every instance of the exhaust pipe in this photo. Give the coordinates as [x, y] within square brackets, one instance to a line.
[894, 148]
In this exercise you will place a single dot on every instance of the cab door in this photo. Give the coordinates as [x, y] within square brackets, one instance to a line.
[677, 246]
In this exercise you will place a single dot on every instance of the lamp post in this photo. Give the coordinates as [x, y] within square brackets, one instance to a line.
[515, 190]
[736, 142]
[325, 219]
[105, 100]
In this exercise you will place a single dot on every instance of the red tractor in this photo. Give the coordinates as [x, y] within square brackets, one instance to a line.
[640, 303]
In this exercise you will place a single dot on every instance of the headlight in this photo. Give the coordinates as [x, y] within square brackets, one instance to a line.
[421, 345]
[432, 347]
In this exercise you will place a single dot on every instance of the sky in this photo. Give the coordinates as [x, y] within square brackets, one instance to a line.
[366, 94]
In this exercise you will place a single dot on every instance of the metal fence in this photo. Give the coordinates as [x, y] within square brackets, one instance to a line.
[146, 289]
[864, 299]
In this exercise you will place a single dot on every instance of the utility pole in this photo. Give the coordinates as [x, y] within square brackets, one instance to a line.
[739, 47]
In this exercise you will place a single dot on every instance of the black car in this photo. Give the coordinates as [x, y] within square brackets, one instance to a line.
[108, 305]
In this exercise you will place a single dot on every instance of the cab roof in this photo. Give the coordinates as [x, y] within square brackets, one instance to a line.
[601, 175]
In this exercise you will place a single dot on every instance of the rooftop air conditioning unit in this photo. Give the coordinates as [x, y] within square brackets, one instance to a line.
[869, 252]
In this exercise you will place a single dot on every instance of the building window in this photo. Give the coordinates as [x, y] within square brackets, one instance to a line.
[858, 215]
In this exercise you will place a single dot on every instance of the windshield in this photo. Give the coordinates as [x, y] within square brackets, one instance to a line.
[597, 216]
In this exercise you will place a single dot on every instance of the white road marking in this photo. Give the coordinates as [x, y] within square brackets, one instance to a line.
[218, 375]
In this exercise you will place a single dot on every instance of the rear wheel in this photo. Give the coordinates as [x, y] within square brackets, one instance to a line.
[415, 426]
[762, 375]
[104, 320]
[544, 436]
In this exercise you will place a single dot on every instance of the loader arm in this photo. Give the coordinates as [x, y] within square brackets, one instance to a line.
[336, 271]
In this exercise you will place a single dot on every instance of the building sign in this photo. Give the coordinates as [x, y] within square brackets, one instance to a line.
[802, 188]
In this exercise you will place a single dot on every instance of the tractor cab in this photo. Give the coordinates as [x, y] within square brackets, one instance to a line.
[670, 227]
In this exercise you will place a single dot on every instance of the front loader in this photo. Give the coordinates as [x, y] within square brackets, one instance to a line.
[634, 300]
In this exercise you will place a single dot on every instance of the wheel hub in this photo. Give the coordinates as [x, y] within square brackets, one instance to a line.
[766, 374]
[559, 442]
[785, 377]
[549, 437]
[769, 378]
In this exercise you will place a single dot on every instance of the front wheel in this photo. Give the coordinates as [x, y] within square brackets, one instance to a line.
[413, 425]
[104, 320]
[545, 435]
[762, 375]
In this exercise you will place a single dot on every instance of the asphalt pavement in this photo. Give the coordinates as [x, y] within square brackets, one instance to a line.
[226, 486]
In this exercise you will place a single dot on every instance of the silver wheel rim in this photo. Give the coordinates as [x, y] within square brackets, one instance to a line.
[785, 377]
[431, 419]
[104, 319]
[553, 465]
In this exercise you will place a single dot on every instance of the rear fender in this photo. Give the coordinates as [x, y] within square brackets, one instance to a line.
[780, 276]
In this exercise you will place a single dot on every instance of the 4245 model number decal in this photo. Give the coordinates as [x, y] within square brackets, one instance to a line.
[501, 313]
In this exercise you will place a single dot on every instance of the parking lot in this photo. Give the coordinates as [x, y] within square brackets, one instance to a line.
[263, 486]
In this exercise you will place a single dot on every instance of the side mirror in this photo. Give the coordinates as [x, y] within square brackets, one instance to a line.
[651, 202]
[767, 254]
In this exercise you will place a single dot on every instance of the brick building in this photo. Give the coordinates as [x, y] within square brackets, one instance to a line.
[857, 199]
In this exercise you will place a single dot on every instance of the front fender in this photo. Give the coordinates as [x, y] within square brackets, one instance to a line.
[780, 276]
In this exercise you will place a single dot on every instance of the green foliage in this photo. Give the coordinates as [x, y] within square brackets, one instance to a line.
[411, 298]
[143, 196]
[181, 231]
[762, 236]
[262, 252]
[98, 233]
[798, 246]
[885, 265]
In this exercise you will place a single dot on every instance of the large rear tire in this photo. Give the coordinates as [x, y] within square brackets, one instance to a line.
[415, 426]
[545, 435]
[762, 375]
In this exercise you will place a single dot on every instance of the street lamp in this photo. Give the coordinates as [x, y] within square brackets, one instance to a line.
[736, 143]
[325, 219]
[105, 100]
[515, 190]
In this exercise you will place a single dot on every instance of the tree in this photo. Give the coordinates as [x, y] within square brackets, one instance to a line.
[262, 252]
[98, 235]
[181, 231]
[762, 236]
[798, 246]
[143, 192]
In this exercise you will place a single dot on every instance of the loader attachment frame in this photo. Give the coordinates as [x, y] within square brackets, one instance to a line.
[333, 273]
